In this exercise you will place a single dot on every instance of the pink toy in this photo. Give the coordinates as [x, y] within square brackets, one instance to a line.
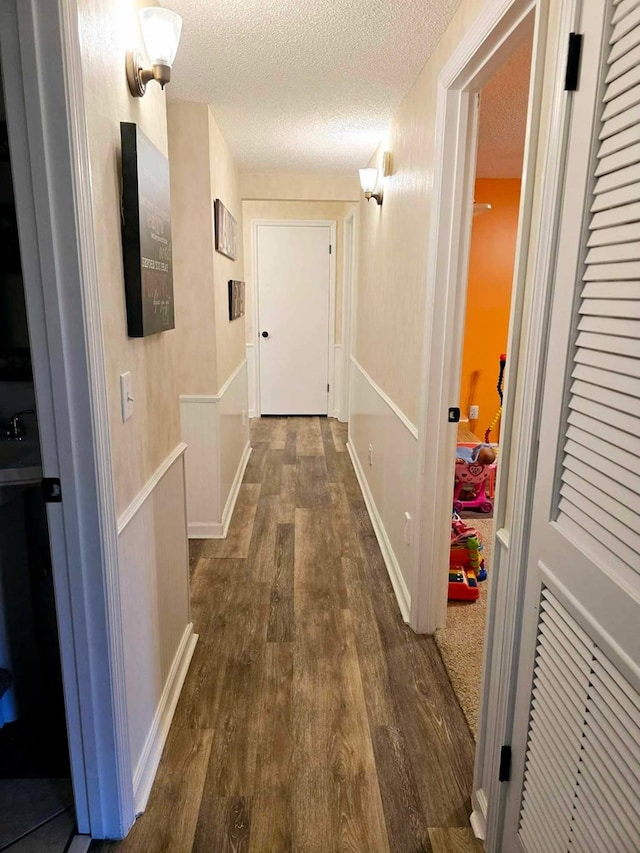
[472, 476]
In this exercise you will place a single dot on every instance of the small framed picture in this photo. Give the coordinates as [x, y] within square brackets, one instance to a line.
[226, 231]
[236, 299]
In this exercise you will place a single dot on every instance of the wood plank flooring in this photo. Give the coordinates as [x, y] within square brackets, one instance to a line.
[312, 719]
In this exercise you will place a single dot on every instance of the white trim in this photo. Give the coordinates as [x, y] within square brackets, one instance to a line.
[214, 398]
[205, 530]
[349, 278]
[255, 405]
[502, 535]
[501, 646]
[486, 45]
[69, 366]
[230, 380]
[149, 486]
[394, 408]
[227, 512]
[219, 530]
[393, 569]
[251, 380]
[478, 818]
[148, 764]
[337, 382]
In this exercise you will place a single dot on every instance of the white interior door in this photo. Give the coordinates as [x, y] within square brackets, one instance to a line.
[576, 746]
[294, 282]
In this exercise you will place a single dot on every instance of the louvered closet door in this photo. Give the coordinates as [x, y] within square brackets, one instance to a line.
[576, 782]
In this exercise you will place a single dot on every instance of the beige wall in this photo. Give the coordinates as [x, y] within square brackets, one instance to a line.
[393, 237]
[202, 169]
[291, 186]
[313, 210]
[225, 185]
[192, 233]
[107, 29]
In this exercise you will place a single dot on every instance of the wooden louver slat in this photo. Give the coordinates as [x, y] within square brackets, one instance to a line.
[582, 769]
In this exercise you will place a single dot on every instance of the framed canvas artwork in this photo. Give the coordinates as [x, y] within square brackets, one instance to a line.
[226, 229]
[236, 299]
[146, 235]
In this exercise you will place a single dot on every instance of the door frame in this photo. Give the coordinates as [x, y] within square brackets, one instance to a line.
[349, 312]
[331, 224]
[51, 166]
[499, 28]
[449, 243]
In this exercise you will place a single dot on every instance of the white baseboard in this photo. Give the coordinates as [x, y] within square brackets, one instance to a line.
[478, 819]
[235, 488]
[205, 530]
[152, 752]
[395, 574]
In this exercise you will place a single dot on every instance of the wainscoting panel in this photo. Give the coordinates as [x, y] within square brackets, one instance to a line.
[252, 374]
[233, 429]
[336, 396]
[199, 426]
[383, 445]
[215, 428]
[158, 635]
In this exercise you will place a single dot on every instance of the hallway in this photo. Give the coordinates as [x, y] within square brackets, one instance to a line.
[312, 719]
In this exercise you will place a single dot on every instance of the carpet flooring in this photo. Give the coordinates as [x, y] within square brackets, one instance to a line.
[461, 643]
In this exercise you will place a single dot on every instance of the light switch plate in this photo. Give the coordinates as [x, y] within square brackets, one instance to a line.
[126, 395]
[407, 528]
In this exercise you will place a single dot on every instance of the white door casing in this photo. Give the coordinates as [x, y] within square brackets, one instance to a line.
[500, 28]
[52, 182]
[350, 259]
[294, 289]
[576, 739]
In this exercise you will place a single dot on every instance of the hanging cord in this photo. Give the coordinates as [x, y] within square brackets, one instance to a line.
[498, 414]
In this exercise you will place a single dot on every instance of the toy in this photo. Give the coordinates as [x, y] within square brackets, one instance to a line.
[466, 545]
[463, 585]
[466, 567]
[471, 477]
[498, 414]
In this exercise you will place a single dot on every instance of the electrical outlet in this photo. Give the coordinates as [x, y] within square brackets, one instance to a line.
[474, 413]
[371, 454]
[244, 417]
[407, 528]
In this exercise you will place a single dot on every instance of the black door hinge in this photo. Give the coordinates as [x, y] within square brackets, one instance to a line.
[327, 387]
[504, 773]
[51, 490]
[573, 62]
[454, 415]
[329, 248]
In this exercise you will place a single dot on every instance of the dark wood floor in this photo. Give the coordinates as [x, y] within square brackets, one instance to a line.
[312, 719]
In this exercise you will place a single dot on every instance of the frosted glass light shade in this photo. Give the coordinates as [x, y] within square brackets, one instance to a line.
[161, 33]
[368, 179]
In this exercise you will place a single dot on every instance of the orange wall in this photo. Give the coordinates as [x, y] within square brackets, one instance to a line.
[493, 244]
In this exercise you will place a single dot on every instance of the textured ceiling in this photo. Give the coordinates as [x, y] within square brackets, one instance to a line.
[303, 86]
[503, 117]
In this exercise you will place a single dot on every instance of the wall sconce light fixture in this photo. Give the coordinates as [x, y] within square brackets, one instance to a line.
[368, 182]
[369, 178]
[161, 34]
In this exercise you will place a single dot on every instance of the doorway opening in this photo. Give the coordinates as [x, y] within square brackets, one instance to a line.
[36, 794]
[502, 125]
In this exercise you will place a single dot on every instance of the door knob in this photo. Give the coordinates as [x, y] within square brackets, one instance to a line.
[265, 334]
